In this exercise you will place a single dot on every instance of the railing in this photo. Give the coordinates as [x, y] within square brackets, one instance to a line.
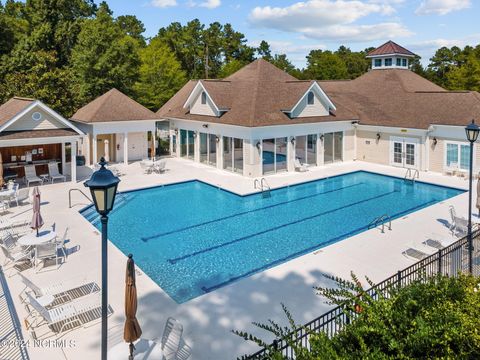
[381, 220]
[451, 260]
[410, 176]
[70, 196]
[263, 186]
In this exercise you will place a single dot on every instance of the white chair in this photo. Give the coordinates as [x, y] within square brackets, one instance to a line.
[147, 168]
[299, 167]
[60, 292]
[459, 225]
[31, 175]
[22, 195]
[61, 244]
[160, 166]
[14, 253]
[45, 252]
[171, 339]
[68, 316]
[54, 173]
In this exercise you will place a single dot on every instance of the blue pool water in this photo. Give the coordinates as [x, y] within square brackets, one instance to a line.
[192, 238]
[268, 156]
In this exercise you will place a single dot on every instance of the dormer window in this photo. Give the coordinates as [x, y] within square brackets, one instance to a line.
[204, 98]
[388, 62]
[310, 98]
[378, 62]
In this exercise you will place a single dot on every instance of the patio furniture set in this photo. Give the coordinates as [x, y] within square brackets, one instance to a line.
[53, 174]
[151, 166]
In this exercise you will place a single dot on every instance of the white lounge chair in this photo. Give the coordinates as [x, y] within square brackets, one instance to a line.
[160, 166]
[21, 195]
[65, 317]
[147, 168]
[53, 172]
[61, 244]
[31, 175]
[171, 339]
[58, 292]
[419, 253]
[299, 167]
[439, 243]
[459, 225]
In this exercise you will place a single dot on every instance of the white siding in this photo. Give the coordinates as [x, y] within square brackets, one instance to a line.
[197, 108]
[304, 110]
[26, 122]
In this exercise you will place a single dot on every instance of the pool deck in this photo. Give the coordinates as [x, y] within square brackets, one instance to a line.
[207, 320]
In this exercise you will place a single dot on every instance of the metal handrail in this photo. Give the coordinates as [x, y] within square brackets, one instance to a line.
[381, 220]
[409, 176]
[70, 197]
[263, 186]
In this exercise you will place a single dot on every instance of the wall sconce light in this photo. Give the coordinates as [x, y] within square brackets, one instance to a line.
[205, 126]
[176, 131]
[378, 136]
[292, 140]
[321, 137]
[435, 141]
[217, 139]
[258, 145]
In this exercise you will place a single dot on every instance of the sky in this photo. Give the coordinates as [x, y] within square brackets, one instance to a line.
[296, 27]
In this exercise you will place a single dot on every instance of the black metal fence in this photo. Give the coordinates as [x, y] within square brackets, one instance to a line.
[449, 261]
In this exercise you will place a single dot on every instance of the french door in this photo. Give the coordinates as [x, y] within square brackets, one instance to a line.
[404, 152]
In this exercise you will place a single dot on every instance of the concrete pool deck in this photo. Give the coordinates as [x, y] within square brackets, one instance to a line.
[207, 320]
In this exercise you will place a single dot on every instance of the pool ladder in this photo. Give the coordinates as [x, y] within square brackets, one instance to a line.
[409, 175]
[263, 186]
[381, 220]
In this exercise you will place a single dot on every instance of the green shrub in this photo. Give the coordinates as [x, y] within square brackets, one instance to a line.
[436, 318]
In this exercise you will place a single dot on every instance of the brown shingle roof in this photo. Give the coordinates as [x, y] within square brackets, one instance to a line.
[12, 107]
[113, 106]
[30, 134]
[256, 95]
[390, 48]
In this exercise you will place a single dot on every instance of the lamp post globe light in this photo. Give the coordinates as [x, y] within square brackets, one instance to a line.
[472, 131]
[103, 187]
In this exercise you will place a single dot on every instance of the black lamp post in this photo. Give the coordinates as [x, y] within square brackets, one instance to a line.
[472, 131]
[103, 186]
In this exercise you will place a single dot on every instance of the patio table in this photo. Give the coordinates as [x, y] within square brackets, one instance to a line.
[32, 239]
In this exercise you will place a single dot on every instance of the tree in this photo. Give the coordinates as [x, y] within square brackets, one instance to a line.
[283, 63]
[104, 57]
[356, 62]
[161, 75]
[325, 65]
[465, 77]
[132, 27]
[264, 51]
[230, 67]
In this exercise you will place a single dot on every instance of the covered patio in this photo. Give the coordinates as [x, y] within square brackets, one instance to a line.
[32, 134]
[118, 129]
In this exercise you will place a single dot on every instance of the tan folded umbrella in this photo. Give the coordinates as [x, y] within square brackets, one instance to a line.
[1, 171]
[131, 331]
[478, 195]
[37, 221]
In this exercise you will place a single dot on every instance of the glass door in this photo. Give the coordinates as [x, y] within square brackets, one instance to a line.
[397, 153]
[183, 143]
[332, 147]
[227, 153]
[191, 145]
[281, 154]
[203, 148]
[238, 155]
[274, 155]
[212, 149]
[328, 148]
[338, 146]
[404, 152]
[312, 149]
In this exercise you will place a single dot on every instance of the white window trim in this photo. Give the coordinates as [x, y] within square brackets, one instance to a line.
[458, 143]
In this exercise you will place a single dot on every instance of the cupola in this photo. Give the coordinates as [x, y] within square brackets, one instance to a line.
[390, 56]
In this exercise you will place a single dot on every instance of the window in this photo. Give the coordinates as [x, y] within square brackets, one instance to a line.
[458, 156]
[399, 62]
[204, 98]
[404, 62]
[378, 62]
[388, 62]
[310, 98]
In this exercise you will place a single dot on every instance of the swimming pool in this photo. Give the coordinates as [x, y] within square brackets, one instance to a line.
[192, 238]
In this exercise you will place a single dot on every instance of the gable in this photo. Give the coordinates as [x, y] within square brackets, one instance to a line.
[31, 120]
[321, 105]
[197, 108]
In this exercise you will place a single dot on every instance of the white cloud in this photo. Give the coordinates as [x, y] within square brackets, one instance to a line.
[210, 4]
[441, 7]
[287, 47]
[164, 3]
[331, 19]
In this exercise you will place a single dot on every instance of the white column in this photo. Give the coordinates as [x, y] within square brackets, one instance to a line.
[320, 150]
[86, 147]
[354, 142]
[74, 161]
[426, 152]
[63, 159]
[220, 152]
[94, 149]
[196, 146]
[291, 153]
[125, 148]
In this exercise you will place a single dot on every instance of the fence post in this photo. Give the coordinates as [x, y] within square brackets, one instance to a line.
[275, 344]
[399, 279]
[440, 262]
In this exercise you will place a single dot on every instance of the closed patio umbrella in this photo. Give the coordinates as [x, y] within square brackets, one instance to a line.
[131, 331]
[37, 221]
[1, 171]
[478, 195]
